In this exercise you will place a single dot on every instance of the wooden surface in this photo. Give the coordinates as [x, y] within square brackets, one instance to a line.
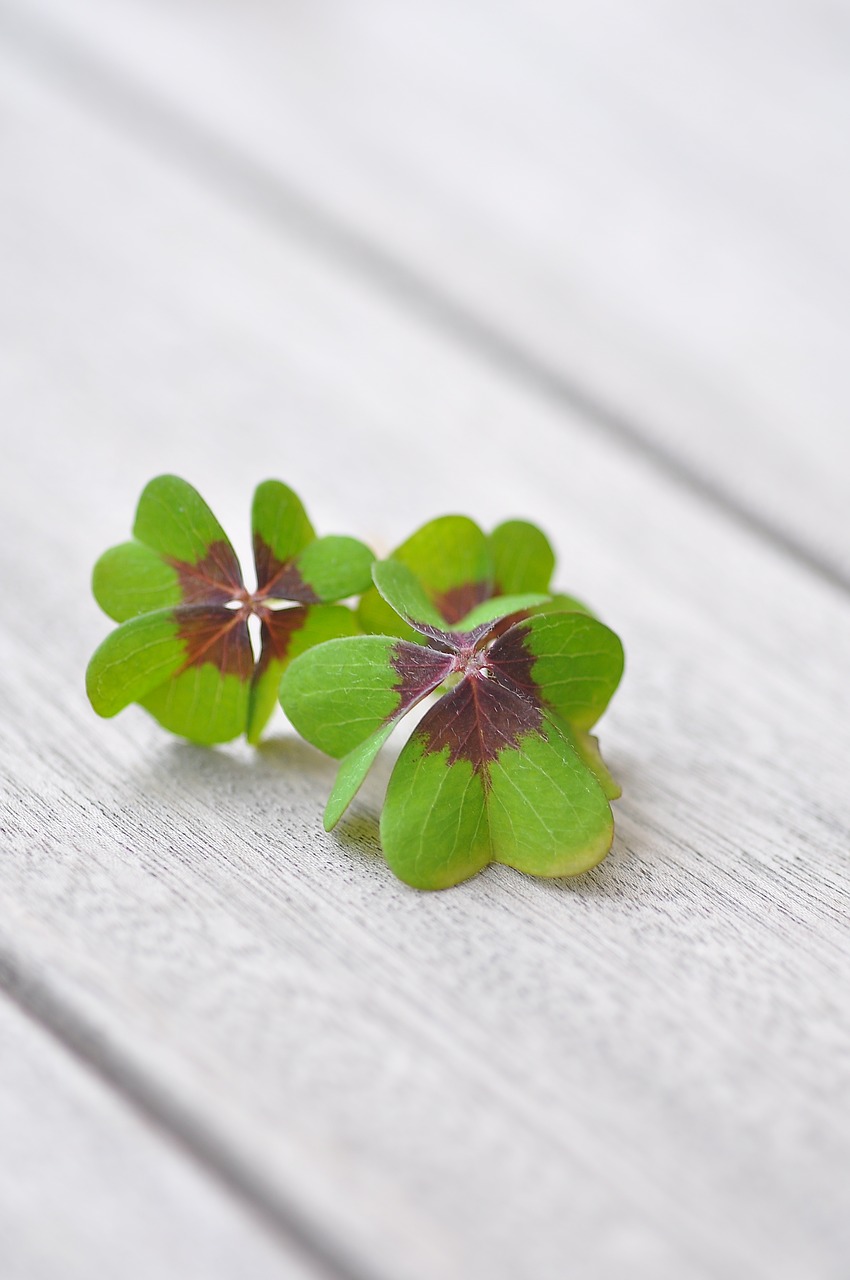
[644, 1070]
[87, 1188]
[638, 208]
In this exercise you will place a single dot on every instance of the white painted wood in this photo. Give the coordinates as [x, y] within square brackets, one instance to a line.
[641, 1071]
[87, 1188]
[649, 198]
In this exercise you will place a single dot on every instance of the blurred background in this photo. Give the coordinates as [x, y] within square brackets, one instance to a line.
[639, 208]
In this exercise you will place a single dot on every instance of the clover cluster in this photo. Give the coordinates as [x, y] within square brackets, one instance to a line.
[501, 767]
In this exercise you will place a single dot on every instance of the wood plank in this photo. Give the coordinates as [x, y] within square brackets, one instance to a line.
[642, 1069]
[87, 1188]
[643, 207]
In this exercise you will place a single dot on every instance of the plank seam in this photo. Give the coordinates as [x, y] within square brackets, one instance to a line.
[37, 1002]
[282, 204]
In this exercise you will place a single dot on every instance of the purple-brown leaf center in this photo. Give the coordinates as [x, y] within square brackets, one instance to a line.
[457, 602]
[215, 579]
[212, 619]
[419, 671]
[278, 628]
[216, 635]
[496, 703]
[279, 579]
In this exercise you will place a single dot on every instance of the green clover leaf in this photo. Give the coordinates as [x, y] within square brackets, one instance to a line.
[183, 649]
[461, 569]
[502, 768]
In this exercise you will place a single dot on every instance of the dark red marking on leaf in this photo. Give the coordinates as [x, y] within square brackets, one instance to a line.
[457, 602]
[499, 626]
[276, 632]
[510, 658]
[419, 671]
[214, 580]
[482, 717]
[279, 579]
[445, 641]
[215, 635]
[212, 633]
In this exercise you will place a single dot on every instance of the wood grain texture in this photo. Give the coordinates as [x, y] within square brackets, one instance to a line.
[87, 1188]
[645, 1069]
[639, 206]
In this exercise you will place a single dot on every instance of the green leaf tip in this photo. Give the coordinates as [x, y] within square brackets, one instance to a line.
[183, 650]
[460, 568]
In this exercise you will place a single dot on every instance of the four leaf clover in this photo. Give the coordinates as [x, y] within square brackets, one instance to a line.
[500, 768]
[183, 650]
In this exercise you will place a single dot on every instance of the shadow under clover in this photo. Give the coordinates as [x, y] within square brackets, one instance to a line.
[278, 784]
